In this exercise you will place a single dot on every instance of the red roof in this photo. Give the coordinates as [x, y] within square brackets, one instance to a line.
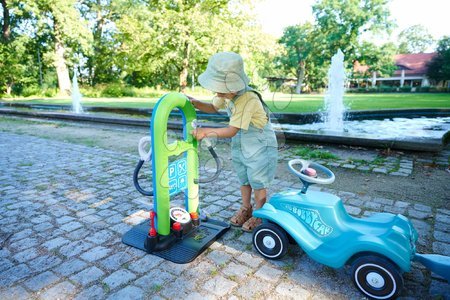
[413, 64]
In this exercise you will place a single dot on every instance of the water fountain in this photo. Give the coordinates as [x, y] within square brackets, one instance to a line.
[397, 130]
[76, 95]
[334, 114]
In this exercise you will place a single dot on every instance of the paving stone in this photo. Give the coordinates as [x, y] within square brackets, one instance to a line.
[45, 262]
[236, 270]
[118, 278]
[115, 261]
[250, 260]
[441, 248]
[443, 218]
[219, 257]
[69, 267]
[418, 214]
[55, 243]
[129, 293]
[14, 274]
[145, 264]
[41, 281]
[63, 290]
[442, 236]
[14, 293]
[352, 210]
[269, 274]
[154, 279]
[75, 248]
[291, 291]
[71, 226]
[95, 254]
[94, 292]
[178, 289]
[26, 255]
[87, 276]
[253, 289]
[219, 286]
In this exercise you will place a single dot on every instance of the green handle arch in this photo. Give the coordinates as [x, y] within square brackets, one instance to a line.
[162, 151]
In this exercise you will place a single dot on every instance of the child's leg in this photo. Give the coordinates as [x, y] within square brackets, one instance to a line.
[246, 193]
[260, 198]
[245, 212]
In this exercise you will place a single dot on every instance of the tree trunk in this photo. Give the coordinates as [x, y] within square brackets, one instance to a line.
[61, 69]
[9, 86]
[6, 32]
[300, 77]
[185, 67]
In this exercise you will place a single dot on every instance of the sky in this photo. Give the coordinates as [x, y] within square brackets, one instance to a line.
[274, 15]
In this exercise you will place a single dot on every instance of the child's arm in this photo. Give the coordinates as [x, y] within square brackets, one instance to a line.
[203, 106]
[224, 132]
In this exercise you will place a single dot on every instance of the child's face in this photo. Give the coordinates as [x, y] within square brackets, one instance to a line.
[226, 95]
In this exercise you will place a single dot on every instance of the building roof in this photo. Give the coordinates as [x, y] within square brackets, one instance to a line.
[413, 64]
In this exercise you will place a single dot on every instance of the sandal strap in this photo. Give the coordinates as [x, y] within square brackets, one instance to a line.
[242, 215]
[251, 224]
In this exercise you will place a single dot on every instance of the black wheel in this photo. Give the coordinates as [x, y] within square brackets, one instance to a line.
[377, 277]
[270, 240]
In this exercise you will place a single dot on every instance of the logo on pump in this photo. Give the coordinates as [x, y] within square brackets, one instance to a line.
[311, 218]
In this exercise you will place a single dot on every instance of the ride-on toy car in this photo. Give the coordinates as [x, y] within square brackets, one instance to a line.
[378, 248]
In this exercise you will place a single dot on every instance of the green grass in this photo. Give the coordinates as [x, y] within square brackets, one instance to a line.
[307, 153]
[284, 103]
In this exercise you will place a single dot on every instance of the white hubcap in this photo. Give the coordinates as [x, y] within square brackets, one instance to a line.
[269, 242]
[375, 280]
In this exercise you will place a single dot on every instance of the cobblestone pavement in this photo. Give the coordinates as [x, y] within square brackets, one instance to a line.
[64, 208]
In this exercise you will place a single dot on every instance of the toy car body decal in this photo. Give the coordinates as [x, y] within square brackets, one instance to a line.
[311, 218]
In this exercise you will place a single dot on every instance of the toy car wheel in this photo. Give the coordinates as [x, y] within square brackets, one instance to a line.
[376, 277]
[270, 240]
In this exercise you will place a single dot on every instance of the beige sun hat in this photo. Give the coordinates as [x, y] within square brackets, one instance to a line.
[224, 73]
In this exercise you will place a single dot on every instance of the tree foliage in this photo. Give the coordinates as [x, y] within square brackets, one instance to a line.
[439, 67]
[415, 39]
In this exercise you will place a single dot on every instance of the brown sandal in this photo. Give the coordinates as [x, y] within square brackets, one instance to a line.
[241, 216]
[251, 224]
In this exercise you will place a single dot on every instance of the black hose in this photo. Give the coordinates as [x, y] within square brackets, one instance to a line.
[218, 168]
[136, 182]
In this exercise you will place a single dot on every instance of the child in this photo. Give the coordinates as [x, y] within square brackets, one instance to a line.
[253, 142]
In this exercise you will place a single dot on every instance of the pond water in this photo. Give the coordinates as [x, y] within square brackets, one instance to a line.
[395, 128]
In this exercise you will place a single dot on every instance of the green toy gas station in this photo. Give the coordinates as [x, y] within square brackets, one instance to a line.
[178, 234]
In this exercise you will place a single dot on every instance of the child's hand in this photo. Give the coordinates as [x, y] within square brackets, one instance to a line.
[199, 133]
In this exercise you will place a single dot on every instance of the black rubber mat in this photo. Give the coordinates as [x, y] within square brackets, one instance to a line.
[184, 250]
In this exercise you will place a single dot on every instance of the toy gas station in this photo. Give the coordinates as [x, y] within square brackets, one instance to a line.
[178, 234]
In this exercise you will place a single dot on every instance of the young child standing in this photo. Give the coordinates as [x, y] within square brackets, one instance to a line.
[253, 141]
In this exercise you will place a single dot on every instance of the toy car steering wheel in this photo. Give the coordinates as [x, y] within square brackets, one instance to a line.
[305, 164]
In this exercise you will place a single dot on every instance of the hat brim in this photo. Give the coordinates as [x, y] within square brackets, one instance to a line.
[230, 85]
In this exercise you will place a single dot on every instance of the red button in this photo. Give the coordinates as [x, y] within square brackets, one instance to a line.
[176, 226]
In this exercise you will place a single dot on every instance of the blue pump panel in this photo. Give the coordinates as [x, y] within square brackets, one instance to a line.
[177, 176]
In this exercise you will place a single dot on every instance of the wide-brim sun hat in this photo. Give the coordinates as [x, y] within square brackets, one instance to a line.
[224, 73]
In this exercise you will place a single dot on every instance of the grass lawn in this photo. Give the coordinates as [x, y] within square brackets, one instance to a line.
[284, 102]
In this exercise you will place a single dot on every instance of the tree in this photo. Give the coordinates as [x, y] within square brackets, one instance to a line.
[379, 59]
[177, 37]
[16, 61]
[415, 39]
[340, 24]
[439, 67]
[61, 20]
[298, 46]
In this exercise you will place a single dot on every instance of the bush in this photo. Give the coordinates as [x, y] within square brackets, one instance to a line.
[423, 89]
[32, 90]
[118, 90]
[405, 89]
[387, 89]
